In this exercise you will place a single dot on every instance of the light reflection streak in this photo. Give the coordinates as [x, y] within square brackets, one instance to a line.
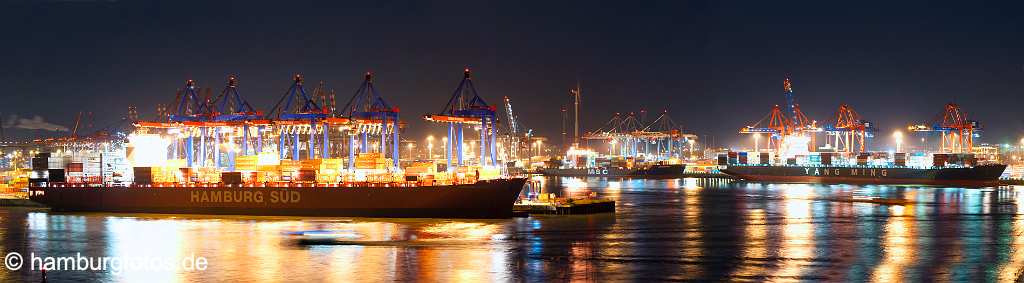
[755, 245]
[341, 262]
[460, 231]
[574, 184]
[788, 232]
[693, 227]
[974, 234]
[690, 183]
[581, 266]
[797, 247]
[135, 238]
[613, 190]
[899, 246]
[1012, 269]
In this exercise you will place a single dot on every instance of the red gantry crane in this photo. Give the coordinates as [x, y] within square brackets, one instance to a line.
[848, 130]
[957, 131]
[777, 128]
[783, 125]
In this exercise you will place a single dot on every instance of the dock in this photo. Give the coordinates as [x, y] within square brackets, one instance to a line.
[18, 200]
[707, 175]
[565, 206]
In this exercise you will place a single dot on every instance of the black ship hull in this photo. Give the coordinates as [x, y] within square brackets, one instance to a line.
[654, 171]
[484, 199]
[977, 176]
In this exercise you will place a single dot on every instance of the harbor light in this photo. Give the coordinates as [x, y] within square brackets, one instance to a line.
[447, 150]
[147, 149]
[430, 147]
[899, 140]
[757, 138]
[691, 142]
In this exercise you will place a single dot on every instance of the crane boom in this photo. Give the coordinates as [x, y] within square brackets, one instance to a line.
[513, 127]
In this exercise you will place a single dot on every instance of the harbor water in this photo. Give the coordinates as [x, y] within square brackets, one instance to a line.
[668, 229]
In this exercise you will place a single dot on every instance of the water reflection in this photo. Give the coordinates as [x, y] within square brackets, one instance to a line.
[672, 229]
[797, 248]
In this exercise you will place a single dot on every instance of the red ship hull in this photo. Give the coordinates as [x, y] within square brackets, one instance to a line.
[485, 199]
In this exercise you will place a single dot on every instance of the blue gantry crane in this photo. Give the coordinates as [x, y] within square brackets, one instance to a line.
[466, 107]
[194, 113]
[297, 111]
[369, 114]
[234, 112]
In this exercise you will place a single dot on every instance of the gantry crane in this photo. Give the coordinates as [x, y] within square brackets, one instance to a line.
[192, 114]
[786, 125]
[298, 113]
[620, 132]
[667, 136]
[801, 126]
[627, 136]
[848, 130]
[777, 128]
[513, 131]
[234, 114]
[466, 107]
[370, 114]
[957, 131]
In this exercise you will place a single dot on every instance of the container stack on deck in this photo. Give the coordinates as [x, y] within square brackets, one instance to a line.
[898, 159]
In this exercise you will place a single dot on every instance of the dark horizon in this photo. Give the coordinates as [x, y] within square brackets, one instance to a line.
[715, 66]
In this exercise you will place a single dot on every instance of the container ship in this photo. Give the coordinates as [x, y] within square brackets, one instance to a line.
[314, 187]
[868, 168]
[304, 157]
[844, 159]
[586, 163]
[480, 199]
[644, 171]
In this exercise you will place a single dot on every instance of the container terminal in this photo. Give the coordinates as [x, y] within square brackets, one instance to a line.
[635, 147]
[792, 155]
[210, 154]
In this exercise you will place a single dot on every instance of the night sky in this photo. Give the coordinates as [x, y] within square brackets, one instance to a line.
[715, 65]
